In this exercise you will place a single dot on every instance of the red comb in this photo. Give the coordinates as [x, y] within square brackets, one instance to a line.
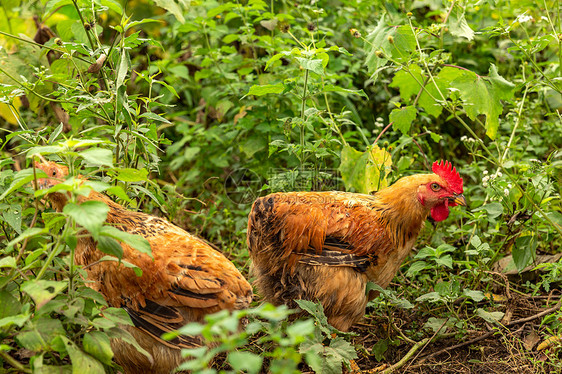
[446, 171]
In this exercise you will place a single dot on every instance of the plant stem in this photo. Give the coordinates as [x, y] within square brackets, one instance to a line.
[302, 115]
[14, 363]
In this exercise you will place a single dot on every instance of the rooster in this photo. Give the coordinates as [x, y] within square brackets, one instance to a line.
[326, 246]
[186, 280]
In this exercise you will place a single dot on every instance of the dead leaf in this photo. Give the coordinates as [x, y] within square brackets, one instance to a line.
[531, 340]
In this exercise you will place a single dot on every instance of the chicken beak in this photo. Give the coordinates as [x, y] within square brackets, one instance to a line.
[458, 199]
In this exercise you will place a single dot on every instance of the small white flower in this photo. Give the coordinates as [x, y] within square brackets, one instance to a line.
[506, 192]
[485, 184]
[485, 172]
[544, 18]
[522, 18]
[485, 179]
[499, 174]
[509, 185]
[379, 119]
[463, 138]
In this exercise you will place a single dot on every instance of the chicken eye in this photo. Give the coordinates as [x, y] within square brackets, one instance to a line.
[435, 187]
[54, 173]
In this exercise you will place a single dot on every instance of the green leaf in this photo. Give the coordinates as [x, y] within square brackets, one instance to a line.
[274, 58]
[132, 175]
[474, 295]
[388, 41]
[98, 156]
[409, 81]
[122, 69]
[332, 88]
[492, 317]
[458, 25]
[416, 267]
[323, 359]
[8, 262]
[154, 117]
[12, 215]
[97, 344]
[494, 209]
[34, 231]
[365, 171]
[177, 8]
[110, 246]
[113, 5]
[265, 89]
[253, 144]
[245, 362]
[41, 291]
[21, 178]
[314, 65]
[81, 361]
[135, 241]
[127, 264]
[119, 333]
[9, 305]
[524, 250]
[379, 349]
[89, 214]
[436, 324]
[402, 118]
[483, 95]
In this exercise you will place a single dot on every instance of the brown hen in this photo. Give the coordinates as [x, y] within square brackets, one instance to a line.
[186, 280]
[326, 246]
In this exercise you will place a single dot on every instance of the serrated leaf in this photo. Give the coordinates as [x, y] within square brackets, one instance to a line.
[9, 305]
[136, 269]
[81, 361]
[524, 250]
[21, 178]
[332, 88]
[492, 317]
[416, 267]
[483, 95]
[314, 65]
[110, 246]
[135, 241]
[132, 175]
[245, 361]
[97, 344]
[176, 7]
[365, 171]
[265, 89]
[435, 324]
[402, 118]
[12, 215]
[89, 214]
[388, 41]
[42, 291]
[98, 156]
[474, 295]
[458, 25]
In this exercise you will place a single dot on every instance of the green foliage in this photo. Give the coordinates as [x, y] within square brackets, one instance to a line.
[190, 110]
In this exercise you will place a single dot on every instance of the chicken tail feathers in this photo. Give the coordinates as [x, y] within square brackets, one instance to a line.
[155, 320]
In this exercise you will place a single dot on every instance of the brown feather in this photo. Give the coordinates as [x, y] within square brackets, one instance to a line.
[186, 280]
[325, 246]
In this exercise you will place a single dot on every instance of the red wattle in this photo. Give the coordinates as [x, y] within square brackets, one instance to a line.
[440, 212]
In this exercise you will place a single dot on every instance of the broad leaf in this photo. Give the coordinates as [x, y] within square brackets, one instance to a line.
[42, 291]
[402, 118]
[365, 171]
[89, 214]
[97, 344]
[266, 89]
[135, 241]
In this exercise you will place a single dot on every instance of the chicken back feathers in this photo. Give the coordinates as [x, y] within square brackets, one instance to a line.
[325, 246]
[186, 280]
